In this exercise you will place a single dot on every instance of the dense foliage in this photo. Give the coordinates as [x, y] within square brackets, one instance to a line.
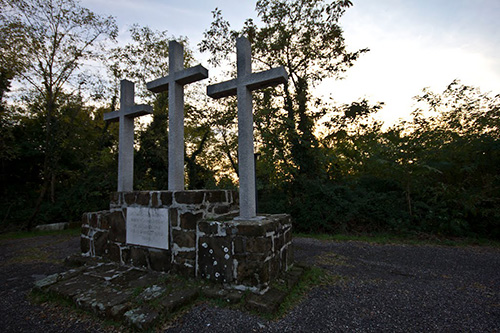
[334, 168]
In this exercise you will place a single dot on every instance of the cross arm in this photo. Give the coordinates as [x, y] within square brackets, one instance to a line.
[268, 78]
[253, 81]
[131, 112]
[112, 116]
[192, 74]
[138, 110]
[223, 89]
[159, 85]
[186, 76]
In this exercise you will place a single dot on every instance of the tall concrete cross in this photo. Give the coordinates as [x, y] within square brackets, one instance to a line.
[174, 83]
[243, 86]
[125, 115]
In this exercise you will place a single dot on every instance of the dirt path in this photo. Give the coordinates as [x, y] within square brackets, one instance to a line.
[397, 288]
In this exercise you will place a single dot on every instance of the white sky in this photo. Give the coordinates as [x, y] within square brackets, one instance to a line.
[414, 43]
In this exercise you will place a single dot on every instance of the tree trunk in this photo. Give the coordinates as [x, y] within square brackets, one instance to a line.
[48, 160]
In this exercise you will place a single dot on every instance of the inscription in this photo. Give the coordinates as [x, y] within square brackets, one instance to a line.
[147, 227]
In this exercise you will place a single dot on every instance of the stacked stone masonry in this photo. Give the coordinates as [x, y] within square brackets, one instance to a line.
[204, 239]
[244, 255]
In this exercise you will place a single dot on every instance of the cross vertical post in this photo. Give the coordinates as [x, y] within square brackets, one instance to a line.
[125, 116]
[126, 139]
[176, 120]
[242, 87]
[246, 160]
[174, 84]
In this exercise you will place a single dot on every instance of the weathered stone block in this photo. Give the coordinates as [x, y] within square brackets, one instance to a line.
[267, 303]
[214, 259]
[103, 220]
[115, 198]
[166, 198]
[289, 257]
[189, 220]
[85, 231]
[139, 257]
[160, 260]
[247, 272]
[155, 203]
[177, 299]
[254, 228]
[211, 291]
[181, 256]
[142, 318]
[235, 197]
[75, 287]
[263, 273]
[143, 198]
[129, 197]
[251, 256]
[239, 245]
[274, 267]
[279, 241]
[84, 245]
[116, 312]
[288, 235]
[93, 219]
[113, 252]
[100, 242]
[208, 227]
[215, 196]
[221, 209]
[259, 244]
[185, 267]
[253, 273]
[174, 217]
[130, 279]
[117, 227]
[184, 238]
[234, 297]
[189, 197]
[125, 255]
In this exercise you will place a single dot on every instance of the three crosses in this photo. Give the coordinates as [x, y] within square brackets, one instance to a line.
[242, 87]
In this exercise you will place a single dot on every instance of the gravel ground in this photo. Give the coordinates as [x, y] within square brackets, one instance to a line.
[379, 288]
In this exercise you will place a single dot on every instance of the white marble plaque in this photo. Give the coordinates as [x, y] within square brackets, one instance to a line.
[147, 227]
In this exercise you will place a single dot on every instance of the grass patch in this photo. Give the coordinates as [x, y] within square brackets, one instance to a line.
[410, 239]
[31, 255]
[38, 297]
[312, 277]
[35, 233]
[332, 259]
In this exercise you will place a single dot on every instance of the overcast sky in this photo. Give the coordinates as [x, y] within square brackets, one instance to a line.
[414, 43]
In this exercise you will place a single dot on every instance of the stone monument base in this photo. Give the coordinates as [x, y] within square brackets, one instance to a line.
[195, 234]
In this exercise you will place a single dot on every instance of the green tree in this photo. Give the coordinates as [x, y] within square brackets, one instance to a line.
[85, 166]
[304, 36]
[457, 132]
[59, 36]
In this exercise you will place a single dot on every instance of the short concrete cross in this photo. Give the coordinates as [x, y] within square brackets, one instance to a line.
[243, 86]
[128, 111]
[174, 83]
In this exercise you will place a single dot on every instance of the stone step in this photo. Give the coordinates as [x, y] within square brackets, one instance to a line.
[140, 298]
[267, 303]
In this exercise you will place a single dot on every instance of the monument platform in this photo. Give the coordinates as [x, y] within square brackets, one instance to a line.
[145, 299]
[191, 233]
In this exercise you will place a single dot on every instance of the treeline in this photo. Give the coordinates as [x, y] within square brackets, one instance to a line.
[334, 168]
